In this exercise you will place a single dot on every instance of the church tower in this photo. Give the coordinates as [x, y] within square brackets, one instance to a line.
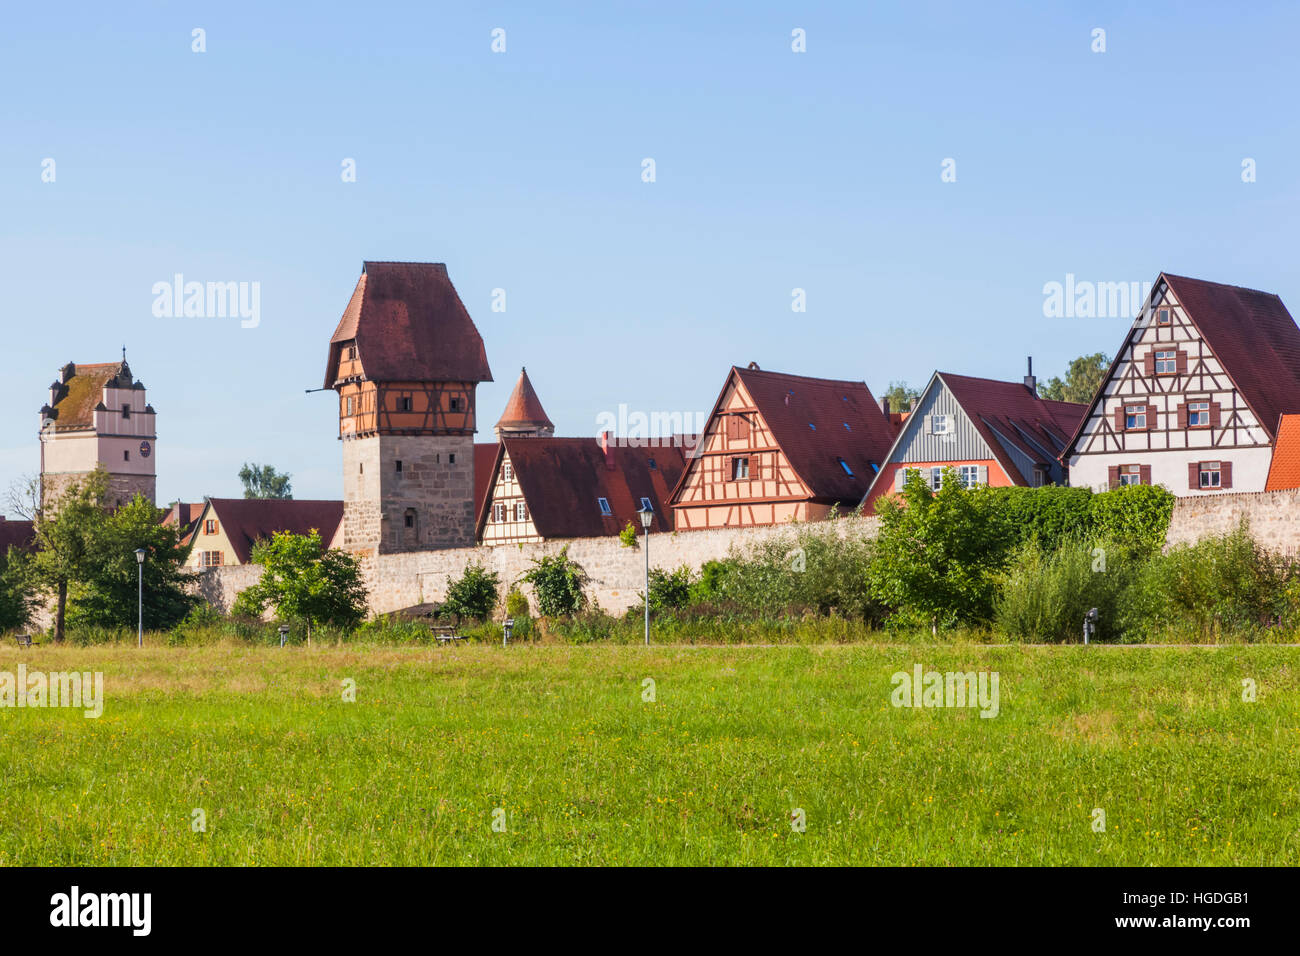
[405, 361]
[98, 415]
[524, 416]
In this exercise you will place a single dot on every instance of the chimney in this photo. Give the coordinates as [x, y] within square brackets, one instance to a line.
[884, 405]
[604, 446]
[1031, 383]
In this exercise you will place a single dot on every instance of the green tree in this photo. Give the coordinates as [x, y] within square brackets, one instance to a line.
[68, 528]
[263, 481]
[302, 581]
[17, 593]
[557, 583]
[900, 396]
[937, 555]
[107, 592]
[474, 594]
[1082, 379]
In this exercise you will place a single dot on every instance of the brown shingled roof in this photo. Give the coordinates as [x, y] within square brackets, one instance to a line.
[524, 408]
[410, 326]
[246, 521]
[562, 478]
[807, 417]
[18, 534]
[78, 396]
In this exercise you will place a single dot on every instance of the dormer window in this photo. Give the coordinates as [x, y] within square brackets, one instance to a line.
[845, 465]
[604, 507]
[645, 505]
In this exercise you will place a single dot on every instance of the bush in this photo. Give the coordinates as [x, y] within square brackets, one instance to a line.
[518, 611]
[1046, 593]
[669, 590]
[1134, 517]
[475, 594]
[557, 584]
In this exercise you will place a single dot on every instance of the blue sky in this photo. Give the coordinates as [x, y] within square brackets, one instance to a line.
[521, 170]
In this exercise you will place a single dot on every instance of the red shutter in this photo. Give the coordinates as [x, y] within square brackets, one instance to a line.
[1151, 418]
[1144, 473]
[1119, 419]
[1215, 417]
[1149, 363]
[1113, 476]
[1182, 362]
[1182, 416]
[1225, 474]
[1193, 475]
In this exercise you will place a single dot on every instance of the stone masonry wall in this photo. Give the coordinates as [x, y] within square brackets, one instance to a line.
[617, 574]
[1273, 517]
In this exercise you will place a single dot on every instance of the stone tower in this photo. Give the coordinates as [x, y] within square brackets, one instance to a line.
[524, 416]
[98, 415]
[406, 360]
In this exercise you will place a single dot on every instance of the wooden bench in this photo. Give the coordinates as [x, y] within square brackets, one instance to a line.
[445, 635]
[24, 640]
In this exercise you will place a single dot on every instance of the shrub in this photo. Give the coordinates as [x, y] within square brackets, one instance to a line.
[1134, 517]
[1046, 593]
[474, 594]
[627, 537]
[669, 590]
[517, 609]
[557, 584]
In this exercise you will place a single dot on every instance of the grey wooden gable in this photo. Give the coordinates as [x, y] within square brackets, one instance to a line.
[962, 443]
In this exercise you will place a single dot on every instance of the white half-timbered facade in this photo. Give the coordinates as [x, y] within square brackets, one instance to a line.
[1193, 397]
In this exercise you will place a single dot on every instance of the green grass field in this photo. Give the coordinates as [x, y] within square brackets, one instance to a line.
[586, 772]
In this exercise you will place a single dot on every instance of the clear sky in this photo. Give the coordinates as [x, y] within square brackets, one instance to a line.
[522, 170]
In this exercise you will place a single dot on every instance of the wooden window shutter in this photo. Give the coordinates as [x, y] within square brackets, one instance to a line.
[216, 527]
[1225, 474]
[1182, 416]
[900, 479]
[1182, 362]
[1215, 415]
[983, 474]
[731, 426]
[1149, 363]
[1112, 476]
[928, 423]
[1193, 475]
[1119, 419]
[1144, 474]
[1151, 418]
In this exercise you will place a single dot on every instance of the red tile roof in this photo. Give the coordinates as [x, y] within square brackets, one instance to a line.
[524, 408]
[1284, 471]
[18, 534]
[561, 478]
[1253, 336]
[185, 516]
[246, 521]
[485, 458]
[1009, 414]
[807, 417]
[410, 326]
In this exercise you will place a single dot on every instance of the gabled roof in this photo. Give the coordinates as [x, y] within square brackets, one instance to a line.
[82, 391]
[807, 418]
[485, 457]
[18, 534]
[1284, 470]
[1251, 333]
[409, 325]
[246, 521]
[184, 516]
[524, 408]
[1254, 338]
[562, 478]
[1009, 414]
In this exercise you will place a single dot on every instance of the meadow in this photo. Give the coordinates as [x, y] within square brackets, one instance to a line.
[559, 746]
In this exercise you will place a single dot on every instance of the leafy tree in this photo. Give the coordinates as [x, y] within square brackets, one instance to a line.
[474, 594]
[1082, 379]
[304, 582]
[17, 594]
[557, 583]
[263, 481]
[937, 555]
[900, 396]
[107, 591]
[67, 533]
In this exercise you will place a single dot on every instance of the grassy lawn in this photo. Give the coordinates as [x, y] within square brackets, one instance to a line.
[587, 772]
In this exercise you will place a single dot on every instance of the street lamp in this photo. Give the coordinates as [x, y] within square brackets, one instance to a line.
[647, 516]
[139, 562]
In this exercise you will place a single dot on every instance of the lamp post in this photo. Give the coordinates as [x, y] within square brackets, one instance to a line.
[647, 515]
[139, 563]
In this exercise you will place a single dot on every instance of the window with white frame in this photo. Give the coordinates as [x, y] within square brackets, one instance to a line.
[1135, 416]
[739, 469]
[1166, 362]
[507, 472]
[1211, 474]
[604, 506]
[498, 512]
[939, 424]
[645, 505]
[1198, 414]
[936, 478]
[970, 475]
[1130, 474]
[521, 511]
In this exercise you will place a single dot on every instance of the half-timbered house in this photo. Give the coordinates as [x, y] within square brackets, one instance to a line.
[990, 432]
[227, 528]
[780, 448]
[1195, 394]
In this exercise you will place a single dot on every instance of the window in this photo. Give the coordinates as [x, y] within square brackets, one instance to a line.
[455, 404]
[209, 559]
[1163, 317]
[348, 405]
[650, 463]
[361, 468]
[398, 466]
[521, 511]
[936, 478]
[1166, 363]
[845, 465]
[498, 512]
[126, 411]
[1040, 476]
[451, 459]
[410, 519]
[604, 506]
[939, 424]
[1211, 474]
[1130, 474]
[1135, 416]
[1198, 414]
[507, 472]
[737, 427]
[352, 352]
[812, 426]
[645, 505]
[209, 527]
[404, 403]
[126, 454]
[847, 428]
[739, 469]
[970, 475]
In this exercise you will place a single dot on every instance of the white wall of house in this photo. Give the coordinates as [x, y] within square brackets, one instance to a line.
[1169, 468]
